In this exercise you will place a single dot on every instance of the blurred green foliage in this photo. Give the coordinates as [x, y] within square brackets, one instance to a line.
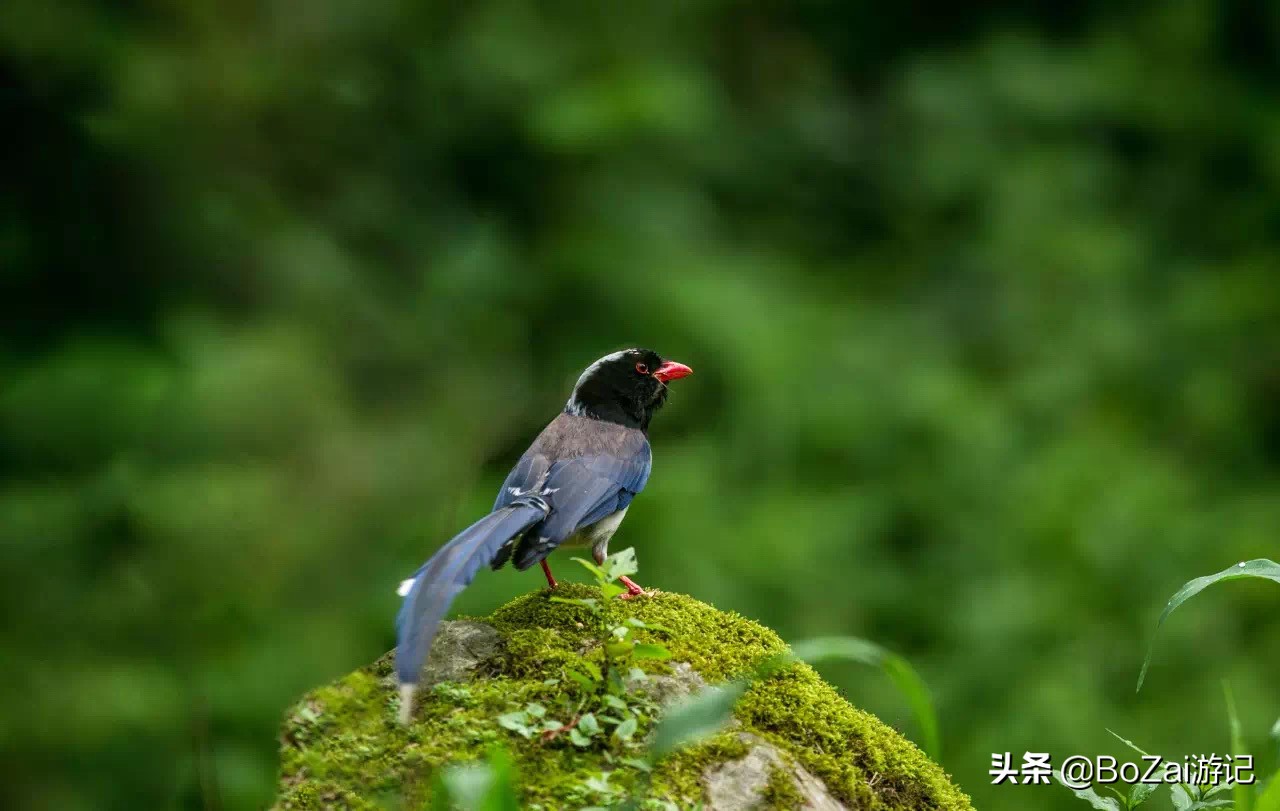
[982, 302]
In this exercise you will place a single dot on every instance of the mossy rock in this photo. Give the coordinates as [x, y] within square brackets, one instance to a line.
[342, 746]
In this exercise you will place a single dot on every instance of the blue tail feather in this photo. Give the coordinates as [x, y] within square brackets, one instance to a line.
[448, 572]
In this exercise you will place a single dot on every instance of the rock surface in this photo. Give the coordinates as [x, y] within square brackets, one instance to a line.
[460, 648]
[745, 783]
[683, 682]
[793, 741]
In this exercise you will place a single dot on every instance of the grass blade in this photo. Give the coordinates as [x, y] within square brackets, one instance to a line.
[1261, 567]
[1243, 794]
[899, 671]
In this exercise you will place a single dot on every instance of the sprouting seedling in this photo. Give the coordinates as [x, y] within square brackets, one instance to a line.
[621, 650]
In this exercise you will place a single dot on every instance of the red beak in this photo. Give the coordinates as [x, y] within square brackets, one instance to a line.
[670, 370]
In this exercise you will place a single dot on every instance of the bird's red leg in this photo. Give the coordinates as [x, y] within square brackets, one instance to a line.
[632, 589]
[551, 581]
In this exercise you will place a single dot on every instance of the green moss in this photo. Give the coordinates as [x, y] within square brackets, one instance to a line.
[342, 747]
[781, 791]
[859, 758]
[679, 777]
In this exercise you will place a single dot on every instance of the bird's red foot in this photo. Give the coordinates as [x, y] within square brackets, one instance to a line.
[551, 581]
[633, 591]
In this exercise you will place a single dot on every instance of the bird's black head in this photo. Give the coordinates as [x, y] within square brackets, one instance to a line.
[625, 387]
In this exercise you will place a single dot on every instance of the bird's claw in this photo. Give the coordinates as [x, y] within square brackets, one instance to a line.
[633, 591]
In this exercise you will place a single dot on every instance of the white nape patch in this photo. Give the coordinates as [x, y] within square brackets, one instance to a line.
[614, 356]
[406, 586]
[406, 702]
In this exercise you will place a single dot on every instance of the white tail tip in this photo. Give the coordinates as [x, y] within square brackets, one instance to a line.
[405, 587]
[406, 702]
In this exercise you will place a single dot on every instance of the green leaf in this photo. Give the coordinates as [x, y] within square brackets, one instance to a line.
[588, 724]
[535, 710]
[1243, 794]
[636, 763]
[487, 786]
[586, 602]
[644, 650]
[621, 564]
[1261, 567]
[1143, 752]
[516, 722]
[1187, 797]
[1128, 743]
[1181, 799]
[1140, 794]
[617, 650]
[899, 671]
[1219, 788]
[610, 590]
[699, 716]
[626, 729]
[1089, 795]
[595, 570]
[592, 669]
[579, 739]
[502, 794]
[585, 682]
[601, 784]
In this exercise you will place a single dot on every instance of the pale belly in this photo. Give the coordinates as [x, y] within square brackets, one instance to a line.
[596, 535]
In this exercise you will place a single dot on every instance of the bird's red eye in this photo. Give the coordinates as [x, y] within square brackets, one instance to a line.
[642, 368]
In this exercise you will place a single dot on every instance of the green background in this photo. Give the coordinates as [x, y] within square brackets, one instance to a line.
[982, 302]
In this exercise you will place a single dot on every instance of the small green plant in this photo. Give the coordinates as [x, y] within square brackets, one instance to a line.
[605, 709]
[1184, 796]
[1190, 796]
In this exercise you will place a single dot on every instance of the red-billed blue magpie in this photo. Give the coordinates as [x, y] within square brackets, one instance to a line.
[572, 487]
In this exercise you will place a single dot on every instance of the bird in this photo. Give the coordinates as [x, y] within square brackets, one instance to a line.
[572, 487]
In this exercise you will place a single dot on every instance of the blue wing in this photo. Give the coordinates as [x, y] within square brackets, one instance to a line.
[580, 490]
